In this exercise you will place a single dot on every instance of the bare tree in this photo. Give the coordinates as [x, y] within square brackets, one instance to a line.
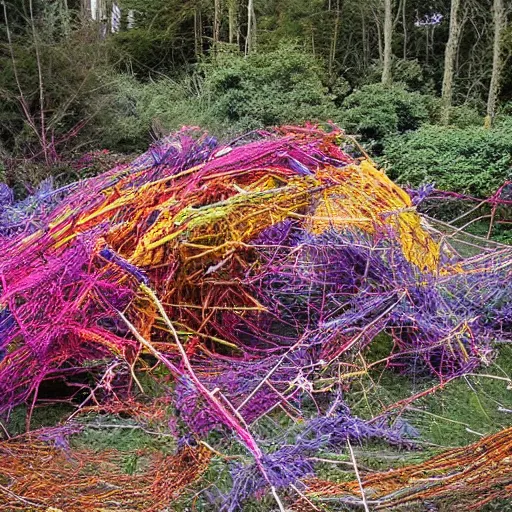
[24, 104]
[388, 34]
[449, 60]
[497, 63]
[46, 116]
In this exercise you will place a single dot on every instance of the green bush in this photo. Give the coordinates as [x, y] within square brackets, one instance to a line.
[408, 73]
[470, 160]
[461, 116]
[377, 111]
[142, 111]
[265, 89]
[464, 116]
[227, 96]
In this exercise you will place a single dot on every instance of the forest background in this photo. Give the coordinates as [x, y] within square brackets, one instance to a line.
[426, 86]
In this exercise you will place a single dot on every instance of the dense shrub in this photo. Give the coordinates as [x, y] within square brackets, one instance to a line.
[142, 111]
[460, 116]
[377, 111]
[227, 96]
[408, 73]
[464, 116]
[265, 89]
[472, 160]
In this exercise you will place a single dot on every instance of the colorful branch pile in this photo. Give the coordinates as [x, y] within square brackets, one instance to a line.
[253, 272]
[468, 477]
[39, 470]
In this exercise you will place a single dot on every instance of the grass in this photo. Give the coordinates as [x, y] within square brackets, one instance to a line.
[458, 414]
[47, 415]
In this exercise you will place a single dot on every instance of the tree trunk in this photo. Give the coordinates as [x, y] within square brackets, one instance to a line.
[65, 18]
[198, 31]
[449, 61]
[388, 33]
[499, 24]
[233, 21]
[366, 45]
[379, 39]
[216, 25]
[250, 42]
[404, 27]
[334, 40]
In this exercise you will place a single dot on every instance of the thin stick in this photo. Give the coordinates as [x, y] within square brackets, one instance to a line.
[353, 457]
[278, 500]
[20, 498]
